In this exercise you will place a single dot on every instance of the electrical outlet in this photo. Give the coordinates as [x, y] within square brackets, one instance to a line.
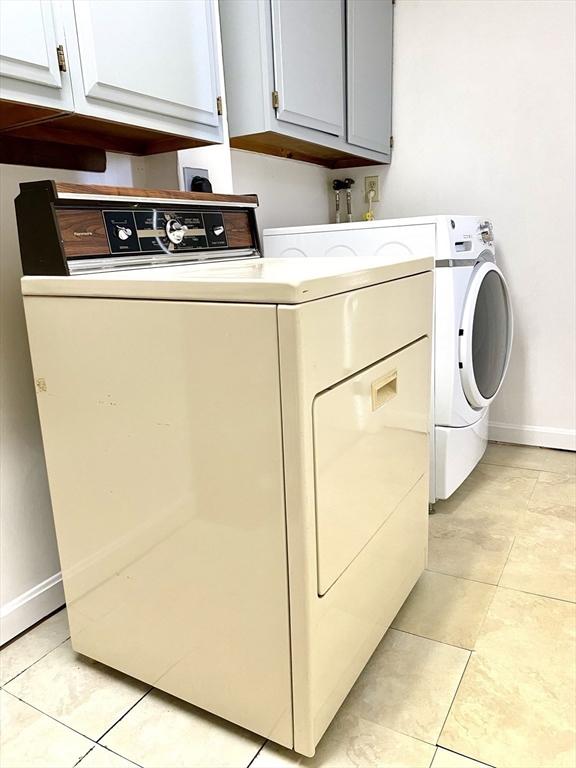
[189, 173]
[372, 183]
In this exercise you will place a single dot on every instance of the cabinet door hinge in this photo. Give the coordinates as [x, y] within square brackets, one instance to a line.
[275, 99]
[219, 105]
[391, 141]
[61, 58]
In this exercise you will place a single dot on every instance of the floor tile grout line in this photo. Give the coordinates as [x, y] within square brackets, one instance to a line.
[534, 489]
[388, 727]
[466, 578]
[515, 466]
[405, 733]
[114, 724]
[266, 741]
[396, 730]
[454, 697]
[85, 755]
[434, 756]
[35, 662]
[409, 735]
[536, 594]
[499, 586]
[483, 460]
[55, 719]
[431, 639]
[113, 751]
[462, 754]
[69, 727]
[538, 470]
[507, 559]
[484, 619]
[93, 747]
[98, 742]
[567, 475]
[401, 733]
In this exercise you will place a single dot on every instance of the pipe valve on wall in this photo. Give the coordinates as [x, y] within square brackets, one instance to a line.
[338, 185]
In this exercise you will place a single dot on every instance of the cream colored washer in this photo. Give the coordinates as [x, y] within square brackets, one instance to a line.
[238, 460]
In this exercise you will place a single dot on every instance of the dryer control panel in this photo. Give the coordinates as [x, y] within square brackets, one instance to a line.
[71, 228]
[154, 230]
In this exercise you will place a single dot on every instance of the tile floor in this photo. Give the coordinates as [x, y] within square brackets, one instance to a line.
[478, 669]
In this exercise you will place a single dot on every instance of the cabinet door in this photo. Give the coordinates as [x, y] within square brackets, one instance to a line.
[156, 56]
[308, 42]
[369, 75]
[30, 33]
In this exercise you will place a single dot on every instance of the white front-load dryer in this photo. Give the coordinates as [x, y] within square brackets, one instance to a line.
[472, 320]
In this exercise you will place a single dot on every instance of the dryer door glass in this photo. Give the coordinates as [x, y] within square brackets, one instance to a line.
[490, 335]
[486, 335]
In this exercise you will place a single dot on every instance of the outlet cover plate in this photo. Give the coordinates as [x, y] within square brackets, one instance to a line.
[372, 182]
[189, 173]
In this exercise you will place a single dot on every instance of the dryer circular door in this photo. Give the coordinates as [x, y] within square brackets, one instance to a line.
[485, 335]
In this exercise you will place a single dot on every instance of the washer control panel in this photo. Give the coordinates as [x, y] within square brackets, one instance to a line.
[155, 230]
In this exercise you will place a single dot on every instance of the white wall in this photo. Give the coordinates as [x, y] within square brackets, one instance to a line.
[484, 123]
[29, 568]
[215, 159]
[290, 192]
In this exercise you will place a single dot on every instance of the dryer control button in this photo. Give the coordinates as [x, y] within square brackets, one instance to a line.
[486, 232]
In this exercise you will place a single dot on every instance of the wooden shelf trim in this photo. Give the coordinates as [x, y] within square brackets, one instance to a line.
[65, 189]
[50, 154]
[25, 121]
[271, 143]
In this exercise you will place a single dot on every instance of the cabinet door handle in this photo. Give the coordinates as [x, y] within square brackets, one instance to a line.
[384, 389]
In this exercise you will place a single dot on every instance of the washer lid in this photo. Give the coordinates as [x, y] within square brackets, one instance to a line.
[485, 335]
[268, 281]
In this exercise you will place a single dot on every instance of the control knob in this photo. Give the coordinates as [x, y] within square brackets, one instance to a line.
[175, 231]
[123, 233]
[218, 230]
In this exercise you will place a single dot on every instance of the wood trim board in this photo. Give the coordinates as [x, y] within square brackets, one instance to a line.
[64, 189]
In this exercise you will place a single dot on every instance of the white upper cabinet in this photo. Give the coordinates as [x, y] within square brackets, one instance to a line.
[308, 45]
[30, 33]
[369, 73]
[309, 79]
[153, 57]
[134, 75]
